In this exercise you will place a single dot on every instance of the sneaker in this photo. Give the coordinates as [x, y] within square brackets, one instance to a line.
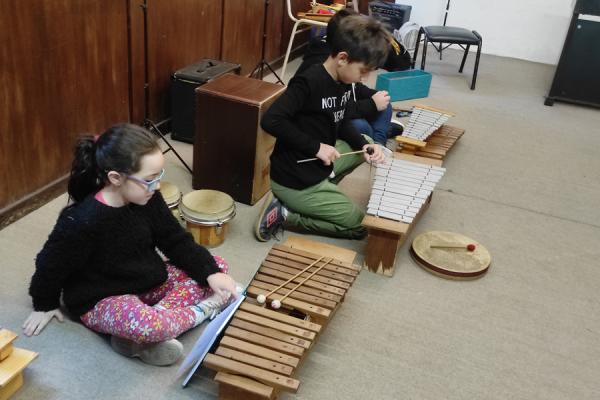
[159, 354]
[210, 307]
[396, 128]
[270, 219]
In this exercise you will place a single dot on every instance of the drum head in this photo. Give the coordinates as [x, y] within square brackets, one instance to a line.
[204, 206]
[450, 263]
[170, 193]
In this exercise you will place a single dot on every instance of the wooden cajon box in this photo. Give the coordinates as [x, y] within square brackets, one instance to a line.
[231, 151]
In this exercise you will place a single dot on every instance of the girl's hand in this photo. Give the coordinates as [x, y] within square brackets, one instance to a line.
[223, 285]
[38, 320]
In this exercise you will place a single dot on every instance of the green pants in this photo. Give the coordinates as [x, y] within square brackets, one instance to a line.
[323, 208]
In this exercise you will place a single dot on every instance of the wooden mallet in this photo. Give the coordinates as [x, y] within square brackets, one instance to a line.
[261, 298]
[468, 247]
[275, 304]
[369, 151]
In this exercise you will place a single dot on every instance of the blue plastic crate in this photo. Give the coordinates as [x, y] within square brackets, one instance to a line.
[404, 85]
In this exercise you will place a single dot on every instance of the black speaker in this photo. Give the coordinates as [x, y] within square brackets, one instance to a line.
[183, 98]
[392, 15]
[577, 77]
[590, 7]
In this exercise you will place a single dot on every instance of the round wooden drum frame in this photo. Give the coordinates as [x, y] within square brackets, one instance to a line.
[450, 263]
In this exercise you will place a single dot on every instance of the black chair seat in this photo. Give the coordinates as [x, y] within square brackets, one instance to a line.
[450, 34]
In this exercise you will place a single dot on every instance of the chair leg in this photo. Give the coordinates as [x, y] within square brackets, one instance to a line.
[424, 52]
[476, 59]
[414, 57]
[441, 49]
[288, 51]
[462, 64]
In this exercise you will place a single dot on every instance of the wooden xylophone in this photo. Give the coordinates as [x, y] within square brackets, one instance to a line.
[400, 195]
[262, 348]
[427, 135]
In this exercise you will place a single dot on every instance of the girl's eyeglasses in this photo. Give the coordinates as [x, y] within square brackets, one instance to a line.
[150, 185]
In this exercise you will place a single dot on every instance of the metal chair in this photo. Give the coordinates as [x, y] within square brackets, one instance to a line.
[449, 35]
[298, 22]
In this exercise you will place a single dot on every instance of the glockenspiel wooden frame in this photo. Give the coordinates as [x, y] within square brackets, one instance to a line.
[261, 348]
[436, 146]
[385, 235]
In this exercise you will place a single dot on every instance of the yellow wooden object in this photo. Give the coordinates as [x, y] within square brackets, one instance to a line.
[11, 368]
[410, 141]
[6, 339]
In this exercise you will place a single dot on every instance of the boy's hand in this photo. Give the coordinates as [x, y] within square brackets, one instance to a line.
[223, 285]
[377, 156]
[327, 154]
[38, 320]
[381, 99]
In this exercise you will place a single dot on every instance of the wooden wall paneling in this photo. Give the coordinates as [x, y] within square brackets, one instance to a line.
[137, 62]
[242, 33]
[288, 25]
[64, 72]
[179, 33]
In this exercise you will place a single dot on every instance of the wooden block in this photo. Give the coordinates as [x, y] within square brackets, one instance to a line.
[263, 352]
[223, 364]
[274, 315]
[327, 250]
[410, 142]
[235, 387]
[317, 277]
[251, 326]
[314, 256]
[255, 361]
[303, 289]
[383, 224]
[301, 263]
[6, 339]
[14, 364]
[11, 386]
[328, 270]
[294, 304]
[309, 283]
[296, 294]
[265, 341]
[381, 252]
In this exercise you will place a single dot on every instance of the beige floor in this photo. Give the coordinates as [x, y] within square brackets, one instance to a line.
[524, 181]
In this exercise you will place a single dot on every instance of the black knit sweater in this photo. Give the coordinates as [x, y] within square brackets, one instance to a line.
[311, 111]
[96, 251]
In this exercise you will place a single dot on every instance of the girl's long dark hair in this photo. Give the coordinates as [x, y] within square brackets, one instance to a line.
[119, 149]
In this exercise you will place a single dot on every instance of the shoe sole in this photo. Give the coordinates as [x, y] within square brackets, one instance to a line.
[265, 205]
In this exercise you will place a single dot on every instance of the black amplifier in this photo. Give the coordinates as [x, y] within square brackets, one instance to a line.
[392, 15]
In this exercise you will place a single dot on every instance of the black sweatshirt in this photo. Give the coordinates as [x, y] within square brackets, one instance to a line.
[311, 111]
[96, 251]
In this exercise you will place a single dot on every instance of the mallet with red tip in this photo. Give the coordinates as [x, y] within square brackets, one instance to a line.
[468, 247]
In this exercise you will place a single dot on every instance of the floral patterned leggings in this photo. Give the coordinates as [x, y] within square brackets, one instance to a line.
[134, 317]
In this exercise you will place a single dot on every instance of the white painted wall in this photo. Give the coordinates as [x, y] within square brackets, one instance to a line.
[532, 30]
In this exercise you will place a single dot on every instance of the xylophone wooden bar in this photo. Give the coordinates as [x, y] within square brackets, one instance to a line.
[436, 146]
[261, 348]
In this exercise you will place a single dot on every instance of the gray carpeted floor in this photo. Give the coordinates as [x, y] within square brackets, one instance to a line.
[524, 181]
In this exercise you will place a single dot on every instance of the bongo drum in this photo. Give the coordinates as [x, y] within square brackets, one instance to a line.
[450, 255]
[207, 213]
[172, 197]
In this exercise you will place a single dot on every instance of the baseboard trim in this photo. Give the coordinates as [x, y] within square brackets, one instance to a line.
[31, 202]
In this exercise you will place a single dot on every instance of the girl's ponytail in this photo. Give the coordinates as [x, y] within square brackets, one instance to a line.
[85, 178]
